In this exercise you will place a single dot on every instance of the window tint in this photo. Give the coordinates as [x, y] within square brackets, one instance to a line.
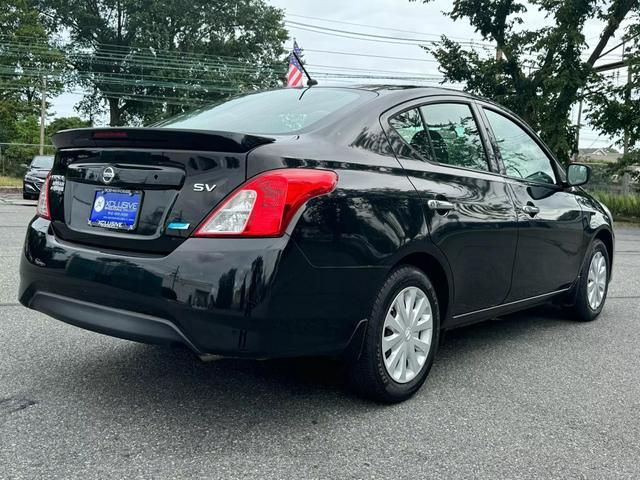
[522, 156]
[454, 135]
[275, 112]
[409, 126]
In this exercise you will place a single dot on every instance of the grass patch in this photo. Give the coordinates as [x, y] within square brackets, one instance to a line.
[621, 206]
[10, 181]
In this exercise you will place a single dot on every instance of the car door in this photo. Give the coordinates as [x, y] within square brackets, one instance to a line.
[467, 205]
[550, 228]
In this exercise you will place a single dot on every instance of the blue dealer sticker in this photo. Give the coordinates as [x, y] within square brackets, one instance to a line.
[115, 209]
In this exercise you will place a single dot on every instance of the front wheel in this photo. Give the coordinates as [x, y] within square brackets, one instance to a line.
[401, 338]
[593, 284]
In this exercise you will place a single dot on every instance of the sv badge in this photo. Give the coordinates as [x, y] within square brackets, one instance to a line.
[203, 187]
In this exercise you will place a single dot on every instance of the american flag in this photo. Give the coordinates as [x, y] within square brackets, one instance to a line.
[294, 76]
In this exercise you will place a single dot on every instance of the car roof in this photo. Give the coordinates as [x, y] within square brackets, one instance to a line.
[401, 93]
[383, 89]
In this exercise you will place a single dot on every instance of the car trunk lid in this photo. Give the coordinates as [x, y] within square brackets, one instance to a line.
[142, 189]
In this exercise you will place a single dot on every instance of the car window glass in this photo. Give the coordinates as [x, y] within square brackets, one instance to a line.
[283, 111]
[42, 161]
[409, 126]
[454, 135]
[522, 156]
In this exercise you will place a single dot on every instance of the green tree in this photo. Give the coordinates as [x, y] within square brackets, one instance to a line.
[539, 74]
[614, 108]
[23, 145]
[149, 58]
[26, 56]
[65, 123]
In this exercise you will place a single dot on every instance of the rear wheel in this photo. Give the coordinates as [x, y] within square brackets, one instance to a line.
[593, 284]
[401, 338]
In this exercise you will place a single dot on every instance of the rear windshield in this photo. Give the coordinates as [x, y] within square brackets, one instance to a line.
[42, 162]
[272, 113]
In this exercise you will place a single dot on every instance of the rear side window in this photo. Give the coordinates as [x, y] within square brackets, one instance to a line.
[410, 127]
[446, 133]
[269, 113]
[454, 135]
[521, 155]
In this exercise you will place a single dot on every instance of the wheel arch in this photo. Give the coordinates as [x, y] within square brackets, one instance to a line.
[438, 275]
[606, 237]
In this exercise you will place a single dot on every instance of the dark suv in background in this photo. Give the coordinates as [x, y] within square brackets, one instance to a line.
[359, 222]
[35, 176]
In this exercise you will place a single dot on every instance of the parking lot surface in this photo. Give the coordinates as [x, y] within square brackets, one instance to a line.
[531, 395]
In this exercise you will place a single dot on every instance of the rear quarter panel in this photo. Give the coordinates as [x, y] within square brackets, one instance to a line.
[357, 233]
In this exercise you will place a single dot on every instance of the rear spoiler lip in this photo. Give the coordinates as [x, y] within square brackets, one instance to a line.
[161, 138]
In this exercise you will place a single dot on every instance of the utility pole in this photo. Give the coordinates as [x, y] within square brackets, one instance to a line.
[578, 126]
[627, 101]
[43, 112]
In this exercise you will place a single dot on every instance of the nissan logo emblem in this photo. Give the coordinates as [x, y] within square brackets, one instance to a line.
[108, 174]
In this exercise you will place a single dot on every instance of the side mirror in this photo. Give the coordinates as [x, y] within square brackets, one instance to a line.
[24, 165]
[578, 174]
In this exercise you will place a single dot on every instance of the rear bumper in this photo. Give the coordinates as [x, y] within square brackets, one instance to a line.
[110, 321]
[255, 298]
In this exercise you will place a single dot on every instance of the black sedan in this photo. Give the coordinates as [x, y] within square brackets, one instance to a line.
[35, 176]
[358, 222]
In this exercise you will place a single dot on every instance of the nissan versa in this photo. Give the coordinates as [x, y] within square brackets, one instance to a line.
[359, 222]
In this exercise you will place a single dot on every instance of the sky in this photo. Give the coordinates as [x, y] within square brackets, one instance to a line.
[390, 18]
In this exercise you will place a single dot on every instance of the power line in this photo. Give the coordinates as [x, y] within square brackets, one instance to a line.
[334, 34]
[386, 28]
[334, 52]
[374, 70]
[374, 36]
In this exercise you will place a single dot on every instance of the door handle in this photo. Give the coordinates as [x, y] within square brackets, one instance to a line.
[440, 205]
[530, 210]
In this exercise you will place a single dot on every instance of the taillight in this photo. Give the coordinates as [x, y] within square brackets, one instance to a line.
[265, 204]
[43, 200]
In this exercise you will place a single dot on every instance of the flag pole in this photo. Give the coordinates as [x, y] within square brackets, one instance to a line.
[310, 81]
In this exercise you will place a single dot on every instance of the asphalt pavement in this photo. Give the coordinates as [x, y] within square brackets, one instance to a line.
[531, 395]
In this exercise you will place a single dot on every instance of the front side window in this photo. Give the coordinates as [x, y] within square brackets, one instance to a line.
[522, 156]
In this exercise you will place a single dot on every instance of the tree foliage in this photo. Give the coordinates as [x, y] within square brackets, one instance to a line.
[126, 51]
[18, 84]
[21, 74]
[614, 106]
[65, 123]
[538, 73]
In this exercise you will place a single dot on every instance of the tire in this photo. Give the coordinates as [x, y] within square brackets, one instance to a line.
[368, 373]
[583, 309]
